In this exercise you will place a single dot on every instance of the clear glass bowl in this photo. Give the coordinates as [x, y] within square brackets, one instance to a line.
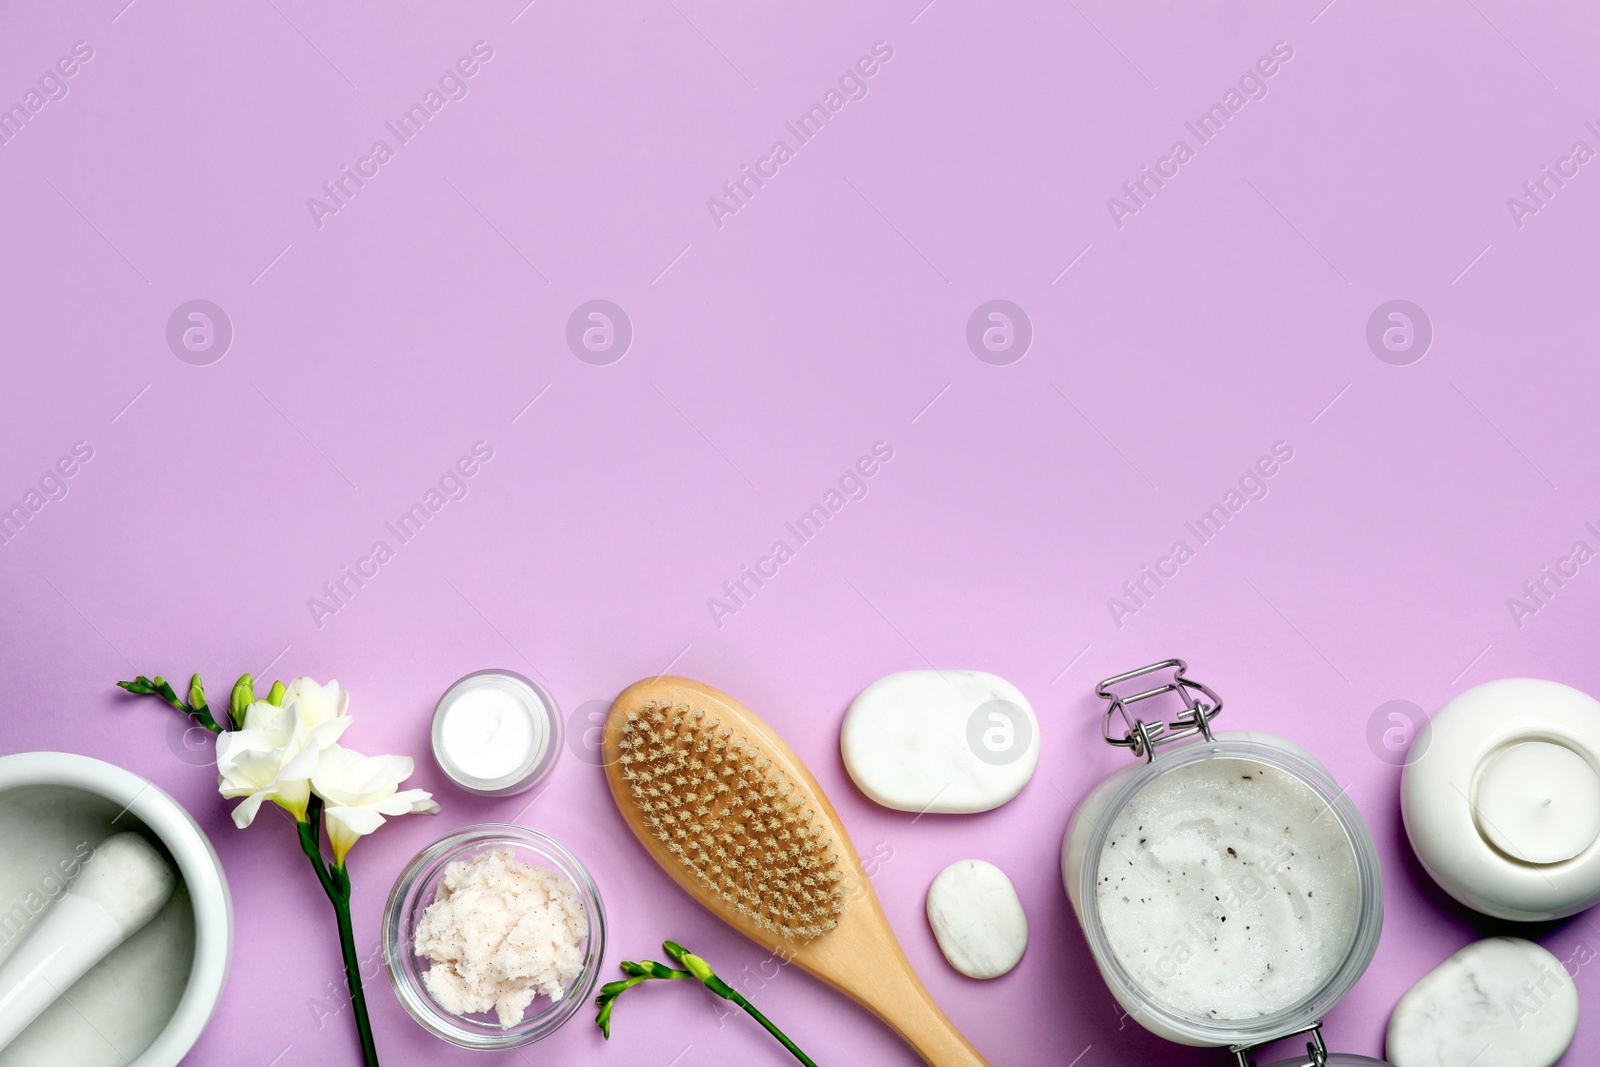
[417, 887]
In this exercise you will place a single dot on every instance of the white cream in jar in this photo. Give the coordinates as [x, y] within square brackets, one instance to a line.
[496, 733]
[1228, 889]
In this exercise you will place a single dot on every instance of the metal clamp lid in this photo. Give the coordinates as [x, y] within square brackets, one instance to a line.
[1316, 1051]
[1143, 736]
[1315, 1055]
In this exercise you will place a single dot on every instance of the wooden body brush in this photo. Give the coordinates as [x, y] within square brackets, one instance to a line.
[728, 809]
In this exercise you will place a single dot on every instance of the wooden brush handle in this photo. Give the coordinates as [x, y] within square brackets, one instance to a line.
[899, 999]
[868, 965]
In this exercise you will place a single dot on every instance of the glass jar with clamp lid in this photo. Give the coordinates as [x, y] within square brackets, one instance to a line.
[1228, 889]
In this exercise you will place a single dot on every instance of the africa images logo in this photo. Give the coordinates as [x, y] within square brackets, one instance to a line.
[453, 84]
[1252, 485]
[1252, 85]
[52, 86]
[852, 85]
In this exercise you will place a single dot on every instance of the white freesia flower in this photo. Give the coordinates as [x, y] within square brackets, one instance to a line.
[272, 756]
[316, 703]
[360, 790]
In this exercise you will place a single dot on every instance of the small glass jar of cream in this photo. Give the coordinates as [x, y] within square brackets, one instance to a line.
[1228, 889]
[496, 733]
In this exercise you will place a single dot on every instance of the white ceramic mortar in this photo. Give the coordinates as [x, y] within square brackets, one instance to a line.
[146, 1003]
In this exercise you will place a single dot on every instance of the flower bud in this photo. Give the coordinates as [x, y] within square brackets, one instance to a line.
[688, 961]
[244, 694]
[275, 694]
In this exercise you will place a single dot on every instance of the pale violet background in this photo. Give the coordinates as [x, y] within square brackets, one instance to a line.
[829, 313]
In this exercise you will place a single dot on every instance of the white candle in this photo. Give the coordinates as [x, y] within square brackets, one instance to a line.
[1501, 798]
[1228, 889]
[496, 733]
[1539, 802]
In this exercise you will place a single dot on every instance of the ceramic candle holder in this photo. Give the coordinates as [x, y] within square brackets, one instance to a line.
[147, 1002]
[1502, 799]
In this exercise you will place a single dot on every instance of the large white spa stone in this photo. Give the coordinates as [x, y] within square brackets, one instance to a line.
[977, 919]
[1501, 1001]
[940, 741]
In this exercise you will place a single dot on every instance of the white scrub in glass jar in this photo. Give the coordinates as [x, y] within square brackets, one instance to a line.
[1227, 890]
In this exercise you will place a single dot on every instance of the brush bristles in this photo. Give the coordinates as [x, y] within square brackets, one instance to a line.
[727, 814]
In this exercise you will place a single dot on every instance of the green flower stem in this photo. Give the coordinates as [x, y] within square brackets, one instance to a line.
[335, 880]
[697, 968]
[335, 883]
[159, 687]
[352, 966]
[727, 992]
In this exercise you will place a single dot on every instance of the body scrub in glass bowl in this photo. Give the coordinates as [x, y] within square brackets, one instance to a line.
[499, 933]
[494, 937]
[1229, 891]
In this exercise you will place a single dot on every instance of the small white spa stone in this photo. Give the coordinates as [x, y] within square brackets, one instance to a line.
[977, 919]
[940, 741]
[1500, 1001]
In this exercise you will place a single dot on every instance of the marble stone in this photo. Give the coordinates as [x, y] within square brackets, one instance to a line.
[940, 741]
[977, 919]
[1500, 1001]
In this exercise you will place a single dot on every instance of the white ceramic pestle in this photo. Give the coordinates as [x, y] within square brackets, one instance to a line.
[121, 887]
